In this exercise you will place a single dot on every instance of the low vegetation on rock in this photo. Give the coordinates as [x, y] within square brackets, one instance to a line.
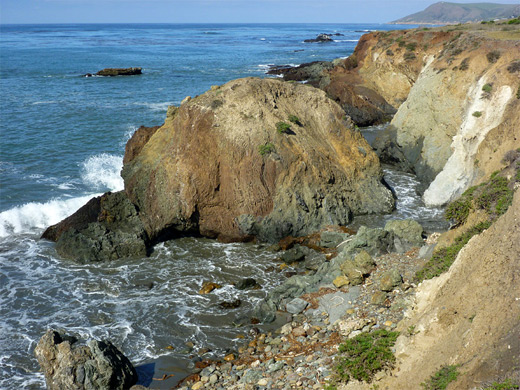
[508, 384]
[283, 128]
[477, 114]
[294, 119]
[441, 379]
[361, 357]
[266, 149]
[493, 56]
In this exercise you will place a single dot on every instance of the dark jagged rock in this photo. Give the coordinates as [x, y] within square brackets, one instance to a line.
[389, 152]
[119, 72]
[106, 228]
[320, 38]
[311, 72]
[99, 365]
[246, 283]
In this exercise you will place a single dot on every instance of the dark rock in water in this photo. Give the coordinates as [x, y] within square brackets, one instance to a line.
[97, 365]
[246, 283]
[320, 38]
[106, 228]
[137, 141]
[119, 72]
[231, 305]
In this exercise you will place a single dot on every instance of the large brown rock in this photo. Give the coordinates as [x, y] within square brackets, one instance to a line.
[99, 365]
[202, 172]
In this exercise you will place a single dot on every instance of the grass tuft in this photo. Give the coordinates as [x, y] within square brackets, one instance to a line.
[441, 379]
[283, 128]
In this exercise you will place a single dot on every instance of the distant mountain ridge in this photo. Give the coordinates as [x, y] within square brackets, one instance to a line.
[447, 13]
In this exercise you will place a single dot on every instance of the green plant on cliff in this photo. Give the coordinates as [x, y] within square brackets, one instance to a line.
[477, 114]
[514, 21]
[441, 379]
[283, 128]
[266, 149]
[508, 384]
[487, 88]
[411, 46]
[363, 356]
[409, 56]
[294, 119]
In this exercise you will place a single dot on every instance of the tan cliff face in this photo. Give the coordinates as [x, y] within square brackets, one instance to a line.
[220, 167]
[456, 90]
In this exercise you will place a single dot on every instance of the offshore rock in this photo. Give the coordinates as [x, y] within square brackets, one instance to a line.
[220, 168]
[99, 365]
[119, 72]
[106, 228]
[320, 38]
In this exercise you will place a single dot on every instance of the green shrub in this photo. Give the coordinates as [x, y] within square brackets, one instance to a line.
[504, 385]
[266, 149]
[366, 354]
[459, 210]
[477, 114]
[518, 93]
[514, 21]
[464, 65]
[496, 197]
[408, 56]
[493, 56]
[514, 67]
[294, 119]
[487, 88]
[283, 127]
[441, 379]
[411, 46]
[442, 260]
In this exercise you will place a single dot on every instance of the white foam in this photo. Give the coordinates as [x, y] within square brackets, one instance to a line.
[45, 102]
[31, 217]
[155, 106]
[102, 172]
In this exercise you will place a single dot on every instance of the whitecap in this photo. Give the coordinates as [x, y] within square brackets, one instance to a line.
[155, 106]
[102, 172]
[34, 216]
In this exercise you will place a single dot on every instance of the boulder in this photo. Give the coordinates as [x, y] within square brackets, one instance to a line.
[331, 239]
[390, 280]
[97, 365]
[220, 168]
[312, 72]
[295, 254]
[119, 72]
[106, 228]
[407, 234]
[374, 241]
[357, 269]
[246, 283]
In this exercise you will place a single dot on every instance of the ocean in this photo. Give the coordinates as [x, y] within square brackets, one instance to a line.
[63, 138]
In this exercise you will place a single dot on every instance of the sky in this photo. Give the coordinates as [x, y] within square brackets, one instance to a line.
[211, 11]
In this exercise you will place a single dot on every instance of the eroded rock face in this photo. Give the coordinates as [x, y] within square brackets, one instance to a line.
[96, 366]
[106, 228]
[220, 167]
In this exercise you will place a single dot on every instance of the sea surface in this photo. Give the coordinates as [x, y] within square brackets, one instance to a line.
[62, 142]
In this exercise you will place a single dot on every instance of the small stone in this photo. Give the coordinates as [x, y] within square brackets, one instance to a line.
[296, 306]
[299, 332]
[286, 329]
[390, 280]
[197, 386]
[262, 382]
[388, 323]
[341, 281]
[378, 298]
[350, 311]
[204, 379]
[229, 358]
[213, 379]
[208, 287]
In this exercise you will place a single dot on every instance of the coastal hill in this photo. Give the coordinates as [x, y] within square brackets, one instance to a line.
[453, 13]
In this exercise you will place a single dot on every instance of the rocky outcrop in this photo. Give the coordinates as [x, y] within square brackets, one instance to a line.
[106, 228]
[137, 141]
[254, 157]
[99, 365]
[320, 38]
[119, 72]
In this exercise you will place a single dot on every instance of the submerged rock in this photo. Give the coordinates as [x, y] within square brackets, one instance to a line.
[219, 167]
[106, 228]
[119, 72]
[99, 365]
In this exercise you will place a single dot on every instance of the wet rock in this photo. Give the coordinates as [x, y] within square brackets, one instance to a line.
[390, 280]
[407, 234]
[389, 152]
[231, 305]
[106, 228]
[97, 365]
[208, 287]
[357, 269]
[311, 72]
[332, 239]
[246, 283]
[295, 254]
[119, 72]
[296, 306]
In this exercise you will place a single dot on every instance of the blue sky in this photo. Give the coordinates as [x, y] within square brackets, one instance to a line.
[210, 11]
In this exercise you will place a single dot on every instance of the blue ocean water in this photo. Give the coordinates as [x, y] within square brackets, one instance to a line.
[62, 141]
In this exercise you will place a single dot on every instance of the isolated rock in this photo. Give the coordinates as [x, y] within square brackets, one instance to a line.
[390, 280]
[358, 268]
[106, 228]
[97, 365]
[246, 283]
[374, 241]
[203, 171]
[331, 239]
[119, 72]
[320, 38]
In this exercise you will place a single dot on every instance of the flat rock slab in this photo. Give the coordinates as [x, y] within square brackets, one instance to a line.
[336, 304]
